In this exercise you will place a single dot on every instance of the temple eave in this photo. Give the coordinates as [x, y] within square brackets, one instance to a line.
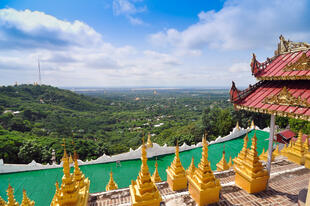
[274, 112]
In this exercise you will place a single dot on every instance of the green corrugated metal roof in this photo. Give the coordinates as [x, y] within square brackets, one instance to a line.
[40, 185]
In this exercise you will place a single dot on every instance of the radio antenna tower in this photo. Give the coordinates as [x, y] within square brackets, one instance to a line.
[39, 71]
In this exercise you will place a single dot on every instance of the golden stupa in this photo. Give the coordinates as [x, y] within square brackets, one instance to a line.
[203, 187]
[155, 177]
[11, 199]
[241, 156]
[230, 163]
[191, 169]
[111, 184]
[26, 201]
[264, 156]
[143, 191]
[149, 143]
[277, 151]
[176, 176]
[250, 174]
[306, 144]
[74, 189]
[296, 151]
[222, 164]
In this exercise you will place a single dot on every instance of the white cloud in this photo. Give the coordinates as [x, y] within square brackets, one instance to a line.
[240, 25]
[35, 29]
[128, 9]
[240, 67]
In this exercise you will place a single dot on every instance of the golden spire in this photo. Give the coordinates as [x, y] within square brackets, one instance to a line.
[71, 191]
[11, 199]
[252, 124]
[65, 161]
[2, 202]
[112, 184]
[149, 142]
[276, 152]
[26, 201]
[230, 163]
[306, 144]
[296, 151]
[143, 191]
[222, 165]
[155, 176]
[176, 176]
[202, 185]
[191, 169]
[241, 156]
[78, 176]
[264, 155]
[250, 174]
[237, 126]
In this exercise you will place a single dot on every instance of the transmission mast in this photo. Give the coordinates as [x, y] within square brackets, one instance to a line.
[39, 71]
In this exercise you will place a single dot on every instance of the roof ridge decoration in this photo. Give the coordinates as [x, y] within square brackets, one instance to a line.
[302, 64]
[285, 98]
[287, 46]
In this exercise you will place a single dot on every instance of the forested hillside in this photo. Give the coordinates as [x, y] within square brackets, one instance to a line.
[35, 119]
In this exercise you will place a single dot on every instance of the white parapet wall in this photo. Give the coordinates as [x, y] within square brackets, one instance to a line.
[154, 151]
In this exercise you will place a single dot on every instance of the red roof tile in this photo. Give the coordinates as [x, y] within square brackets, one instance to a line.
[274, 69]
[296, 102]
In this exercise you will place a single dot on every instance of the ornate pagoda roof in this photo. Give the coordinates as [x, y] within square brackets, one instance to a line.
[284, 86]
[283, 98]
[291, 62]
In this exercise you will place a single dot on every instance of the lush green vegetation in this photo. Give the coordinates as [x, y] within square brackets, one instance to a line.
[35, 119]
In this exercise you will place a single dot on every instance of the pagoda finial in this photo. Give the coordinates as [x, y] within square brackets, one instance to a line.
[176, 176]
[299, 138]
[252, 125]
[191, 169]
[222, 165]
[250, 174]
[277, 151]
[296, 152]
[112, 184]
[155, 177]
[241, 156]
[230, 163]
[202, 185]
[11, 199]
[149, 142]
[237, 125]
[2, 202]
[26, 201]
[143, 191]
[65, 161]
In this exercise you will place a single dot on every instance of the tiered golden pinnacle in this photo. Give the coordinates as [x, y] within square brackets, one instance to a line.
[143, 191]
[203, 187]
[250, 174]
[176, 176]
[155, 177]
[111, 184]
[74, 189]
[191, 169]
[222, 165]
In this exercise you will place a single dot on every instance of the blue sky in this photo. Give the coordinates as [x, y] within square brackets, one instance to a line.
[116, 43]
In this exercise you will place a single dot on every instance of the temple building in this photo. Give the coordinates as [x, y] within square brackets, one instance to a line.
[283, 89]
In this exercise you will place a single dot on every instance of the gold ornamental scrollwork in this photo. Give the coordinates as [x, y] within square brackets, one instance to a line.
[302, 64]
[285, 98]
